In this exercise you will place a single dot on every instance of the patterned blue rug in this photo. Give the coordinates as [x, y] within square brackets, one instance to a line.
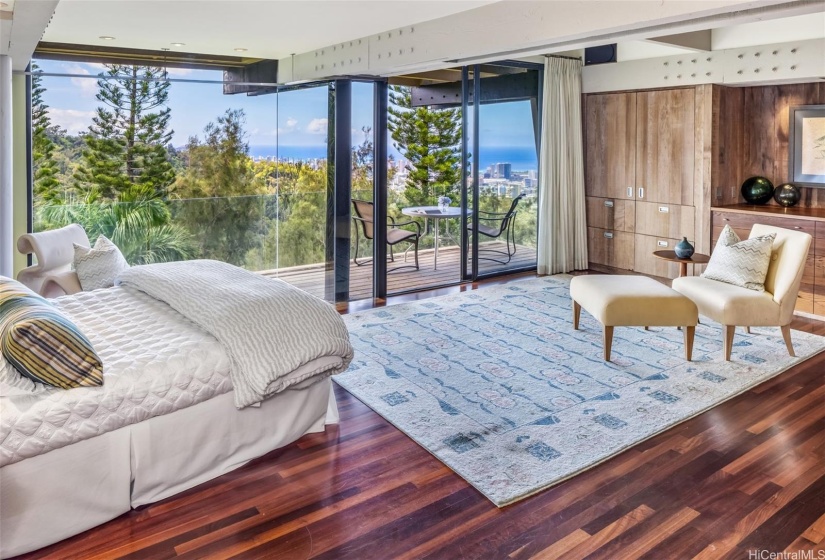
[497, 384]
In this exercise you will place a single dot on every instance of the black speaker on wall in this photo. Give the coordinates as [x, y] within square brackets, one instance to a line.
[600, 55]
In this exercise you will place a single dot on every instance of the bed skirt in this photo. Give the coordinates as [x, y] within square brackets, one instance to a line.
[50, 497]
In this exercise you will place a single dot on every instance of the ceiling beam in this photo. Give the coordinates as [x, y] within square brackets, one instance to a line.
[697, 41]
[29, 21]
[519, 28]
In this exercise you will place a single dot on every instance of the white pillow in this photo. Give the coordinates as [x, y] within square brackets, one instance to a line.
[741, 263]
[98, 267]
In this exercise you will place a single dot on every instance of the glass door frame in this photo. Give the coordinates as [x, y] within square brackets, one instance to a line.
[469, 244]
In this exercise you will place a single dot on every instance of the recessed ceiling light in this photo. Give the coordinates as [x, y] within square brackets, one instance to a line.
[241, 49]
[177, 44]
[106, 38]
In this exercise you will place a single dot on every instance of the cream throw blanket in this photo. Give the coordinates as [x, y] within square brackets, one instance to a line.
[268, 327]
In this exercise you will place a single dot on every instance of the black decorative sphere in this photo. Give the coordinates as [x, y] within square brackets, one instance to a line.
[757, 190]
[787, 194]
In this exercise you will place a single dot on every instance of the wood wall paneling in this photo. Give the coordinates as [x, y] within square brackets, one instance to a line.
[665, 152]
[611, 213]
[752, 138]
[819, 272]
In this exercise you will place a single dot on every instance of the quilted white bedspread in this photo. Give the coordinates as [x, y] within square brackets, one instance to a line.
[155, 362]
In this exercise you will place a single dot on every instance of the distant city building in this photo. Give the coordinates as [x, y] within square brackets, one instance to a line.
[503, 170]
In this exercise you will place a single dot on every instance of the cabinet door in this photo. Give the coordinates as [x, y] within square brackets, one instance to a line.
[646, 263]
[666, 220]
[611, 213]
[610, 145]
[665, 157]
[819, 271]
[610, 248]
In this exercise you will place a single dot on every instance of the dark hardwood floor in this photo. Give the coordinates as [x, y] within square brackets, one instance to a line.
[746, 475]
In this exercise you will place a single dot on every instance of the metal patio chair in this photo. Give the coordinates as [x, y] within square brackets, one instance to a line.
[363, 221]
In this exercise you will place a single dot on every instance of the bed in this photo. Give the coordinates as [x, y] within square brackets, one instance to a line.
[166, 419]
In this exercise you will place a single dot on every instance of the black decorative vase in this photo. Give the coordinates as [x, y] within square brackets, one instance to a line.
[787, 195]
[683, 249]
[757, 190]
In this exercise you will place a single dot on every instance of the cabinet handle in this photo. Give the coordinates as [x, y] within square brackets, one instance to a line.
[662, 243]
[608, 235]
[726, 219]
[664, 209]
[608, 204]
[641, 192]
[797, 227]
[629, 192]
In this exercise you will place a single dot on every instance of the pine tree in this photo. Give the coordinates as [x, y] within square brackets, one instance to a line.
[46, 185]
[429, 139]
[126, 145]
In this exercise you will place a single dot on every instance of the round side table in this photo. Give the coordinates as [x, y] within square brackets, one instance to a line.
[697, 258]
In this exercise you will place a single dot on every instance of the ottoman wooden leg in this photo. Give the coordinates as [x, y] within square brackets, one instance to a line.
[608, 342]
[689, 333]
[577, 311]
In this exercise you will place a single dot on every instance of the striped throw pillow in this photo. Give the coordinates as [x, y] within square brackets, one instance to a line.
[741, 263]
[41, 343]
[98, 267]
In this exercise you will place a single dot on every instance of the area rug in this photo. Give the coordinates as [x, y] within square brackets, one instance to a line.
[497, 384]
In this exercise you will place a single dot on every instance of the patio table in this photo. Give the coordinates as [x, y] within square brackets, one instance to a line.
[434, 213]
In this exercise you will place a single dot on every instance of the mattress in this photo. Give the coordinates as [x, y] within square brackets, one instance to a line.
[155, 361]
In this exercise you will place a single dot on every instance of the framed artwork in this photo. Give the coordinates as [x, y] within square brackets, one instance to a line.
[806, 145]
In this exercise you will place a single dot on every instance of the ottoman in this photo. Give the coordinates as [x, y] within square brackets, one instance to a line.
[632, 301]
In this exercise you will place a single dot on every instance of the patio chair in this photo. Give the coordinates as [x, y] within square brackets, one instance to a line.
[363, 221]
[502, 223]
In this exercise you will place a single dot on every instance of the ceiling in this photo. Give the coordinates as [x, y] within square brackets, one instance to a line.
[266, 29]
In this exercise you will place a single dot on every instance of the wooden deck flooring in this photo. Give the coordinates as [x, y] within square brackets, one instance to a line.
[311, 278]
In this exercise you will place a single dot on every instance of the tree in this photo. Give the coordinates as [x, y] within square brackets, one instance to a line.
[227, 214]
[429, 139]
[46, 184]
[127, 140]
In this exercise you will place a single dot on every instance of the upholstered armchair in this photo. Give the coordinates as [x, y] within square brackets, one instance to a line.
[733, 306]
[52, 276]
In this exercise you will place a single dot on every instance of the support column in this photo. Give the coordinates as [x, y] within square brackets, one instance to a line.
[6, 176]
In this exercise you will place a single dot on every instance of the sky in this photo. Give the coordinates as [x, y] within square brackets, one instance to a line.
[289, 119]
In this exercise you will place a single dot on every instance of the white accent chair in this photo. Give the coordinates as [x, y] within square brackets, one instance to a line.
[52, 276]
[733, 306]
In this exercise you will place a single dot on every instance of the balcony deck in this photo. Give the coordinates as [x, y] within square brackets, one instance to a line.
[311, 277]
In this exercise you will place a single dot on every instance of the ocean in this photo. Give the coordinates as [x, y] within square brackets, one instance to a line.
[521, 158]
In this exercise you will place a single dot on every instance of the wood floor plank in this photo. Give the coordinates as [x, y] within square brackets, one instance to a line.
[748, 473]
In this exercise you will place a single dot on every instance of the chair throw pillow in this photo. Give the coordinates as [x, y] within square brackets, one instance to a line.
[741, 263]
[98, 267]
[41, 343]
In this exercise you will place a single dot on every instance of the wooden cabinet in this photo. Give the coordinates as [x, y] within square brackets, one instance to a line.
[611, 214]
[665, 154]
[646, 263]
[610, 138]
[639, 176]
[811, 298]
[610, 248]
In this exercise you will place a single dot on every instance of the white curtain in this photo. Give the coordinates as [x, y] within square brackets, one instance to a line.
[562, 226]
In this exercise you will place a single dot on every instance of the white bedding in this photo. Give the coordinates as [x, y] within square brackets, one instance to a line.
[155, 362]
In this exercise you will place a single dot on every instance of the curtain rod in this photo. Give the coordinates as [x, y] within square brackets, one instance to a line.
[562, 56]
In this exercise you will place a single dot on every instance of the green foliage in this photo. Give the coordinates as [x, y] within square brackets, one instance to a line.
[226, 216]
[429, 140]
[46, 184]
[138, 225]
[126, 142]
